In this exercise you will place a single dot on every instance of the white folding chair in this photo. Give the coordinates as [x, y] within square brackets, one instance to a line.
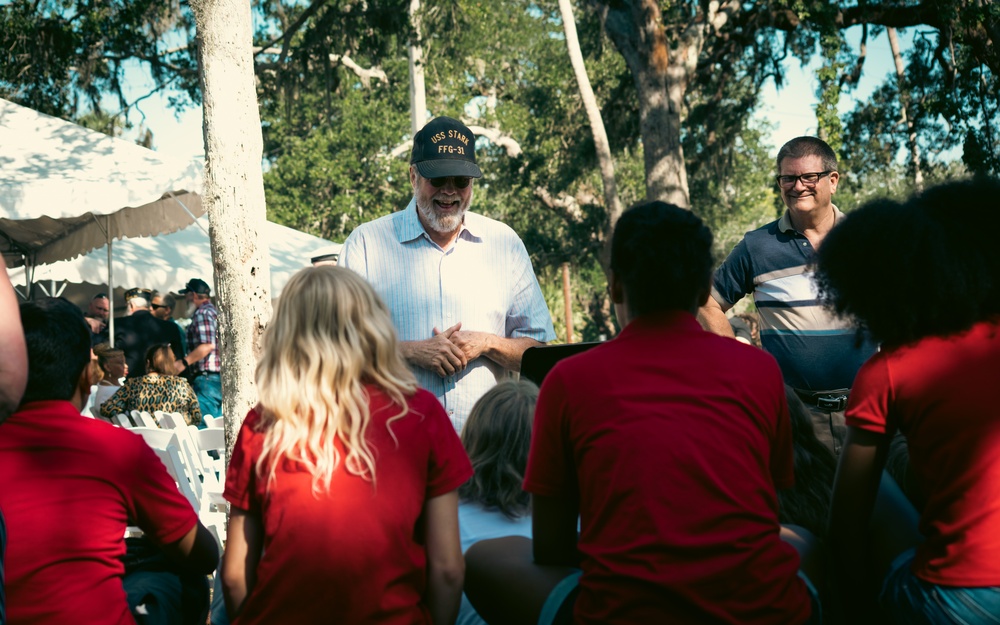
[144, 419]
[212, 423]
[167, 448]
[169, 420]
[122, 420]
[175, 453]
[211, 440]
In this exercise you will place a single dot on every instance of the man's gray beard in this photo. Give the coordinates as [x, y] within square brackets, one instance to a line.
[437, 223]
[192, 307]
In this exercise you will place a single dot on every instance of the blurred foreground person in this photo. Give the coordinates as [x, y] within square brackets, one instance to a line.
[13, 377]
[667, 443]
[930, 293]
[70, 486]
[343, 481]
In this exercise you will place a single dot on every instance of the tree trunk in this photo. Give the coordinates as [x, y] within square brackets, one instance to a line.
[660, 73]
[612, 206]
[234, 198]
[904, 101]
[418, 93]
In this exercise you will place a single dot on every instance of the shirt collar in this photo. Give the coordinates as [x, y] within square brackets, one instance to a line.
[785, 223]
[409, 228]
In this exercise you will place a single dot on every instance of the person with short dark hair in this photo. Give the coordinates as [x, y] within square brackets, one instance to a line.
[930, 293]
[98, 312]
[202, 365]
[159, 390]
[667, 443]
[70, 486]
[162, 307]
[819, 353]
[136, 332]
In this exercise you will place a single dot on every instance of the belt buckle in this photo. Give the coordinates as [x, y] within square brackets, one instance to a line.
[837, 403]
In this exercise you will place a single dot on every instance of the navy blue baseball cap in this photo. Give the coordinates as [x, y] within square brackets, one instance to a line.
[445, 147]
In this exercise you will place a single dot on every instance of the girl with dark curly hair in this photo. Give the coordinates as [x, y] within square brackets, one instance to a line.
[922, 277]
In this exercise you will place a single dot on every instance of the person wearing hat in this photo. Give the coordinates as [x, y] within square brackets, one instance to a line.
[139, 330]
[460, 286]
[202, 364]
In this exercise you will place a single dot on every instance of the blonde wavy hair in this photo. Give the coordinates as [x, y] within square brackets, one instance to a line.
[330, 336]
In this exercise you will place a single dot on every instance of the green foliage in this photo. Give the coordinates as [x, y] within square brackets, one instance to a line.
[329, 135]
[59, 52]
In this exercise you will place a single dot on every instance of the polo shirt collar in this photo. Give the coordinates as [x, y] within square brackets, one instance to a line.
[667, 321]
[48, 409]
[409, 228]
[785, 223]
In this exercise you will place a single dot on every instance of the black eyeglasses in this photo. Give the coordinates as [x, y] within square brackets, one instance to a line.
[810, 179]
[460, 182]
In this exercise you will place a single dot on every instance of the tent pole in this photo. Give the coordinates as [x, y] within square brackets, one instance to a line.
[111, 289]
[187, 210]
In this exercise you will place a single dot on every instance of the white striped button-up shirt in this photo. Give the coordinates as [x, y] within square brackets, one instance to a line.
[484, 280]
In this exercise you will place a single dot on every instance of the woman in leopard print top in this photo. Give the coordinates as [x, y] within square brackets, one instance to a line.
[159, 389]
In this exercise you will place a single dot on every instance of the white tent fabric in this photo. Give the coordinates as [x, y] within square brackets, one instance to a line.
[166, 262]
[66, 190]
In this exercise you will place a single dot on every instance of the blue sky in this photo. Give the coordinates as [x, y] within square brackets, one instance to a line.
[790, 110]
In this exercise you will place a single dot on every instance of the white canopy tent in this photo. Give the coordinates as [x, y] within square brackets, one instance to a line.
[166, 262]
[66, 190]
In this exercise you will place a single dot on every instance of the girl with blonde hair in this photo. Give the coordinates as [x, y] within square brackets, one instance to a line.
[343, 481]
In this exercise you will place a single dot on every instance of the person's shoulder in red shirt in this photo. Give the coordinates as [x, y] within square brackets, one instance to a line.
[69, 486]
[665, 445]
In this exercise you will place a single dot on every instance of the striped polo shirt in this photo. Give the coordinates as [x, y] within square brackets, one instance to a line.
[817, 350]
[485, 280]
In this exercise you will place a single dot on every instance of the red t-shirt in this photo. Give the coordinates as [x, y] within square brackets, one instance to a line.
[675, 440]
[69, 486]
[941, 394]
[356, 554]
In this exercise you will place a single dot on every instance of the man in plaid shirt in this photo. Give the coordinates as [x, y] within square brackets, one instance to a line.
[202, 362]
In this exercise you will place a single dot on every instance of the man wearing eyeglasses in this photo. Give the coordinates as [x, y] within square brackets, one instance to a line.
[819, 354]
[460, 286]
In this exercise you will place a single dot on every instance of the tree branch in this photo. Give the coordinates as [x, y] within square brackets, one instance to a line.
[924, 13]
[286, 36]
[565, 205]
[366, 75]
[498, 138]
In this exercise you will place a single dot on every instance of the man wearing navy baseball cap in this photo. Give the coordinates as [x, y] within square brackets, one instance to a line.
[460, 286]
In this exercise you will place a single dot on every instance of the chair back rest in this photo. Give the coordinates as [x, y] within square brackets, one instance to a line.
[122, 420]
[169, 420]
[213, 422]
[144, 419]
[167, 448]
[210, 439]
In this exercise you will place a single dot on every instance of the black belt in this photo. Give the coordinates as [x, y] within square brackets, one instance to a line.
[832, 401]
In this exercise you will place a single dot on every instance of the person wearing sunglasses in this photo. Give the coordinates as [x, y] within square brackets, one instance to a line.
[460, 286]
[819, 354]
